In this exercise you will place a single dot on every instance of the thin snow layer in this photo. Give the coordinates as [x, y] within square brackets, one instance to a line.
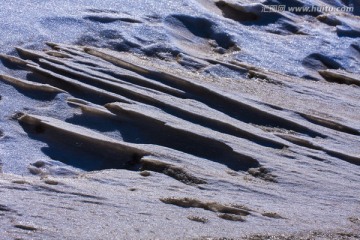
[178, 119]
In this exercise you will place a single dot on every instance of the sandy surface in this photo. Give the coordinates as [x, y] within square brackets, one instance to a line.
[178, 120]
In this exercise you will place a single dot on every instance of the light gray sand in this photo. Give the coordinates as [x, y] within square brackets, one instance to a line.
[197, 124]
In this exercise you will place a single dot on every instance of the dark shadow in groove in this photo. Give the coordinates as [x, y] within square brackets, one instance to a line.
[110, 19]
[145, 131]
[356, 46]
[35, 95]
[330, 124]
[222, 127]
[71, 89]
[317, 158]
[202, 28]
[135, 81]
[92, 80]
[191, 117]
[81, 153]
[252, 16]
[232, 108]
[342, 156]
[99, 123]
[10, 65]
[318, 61]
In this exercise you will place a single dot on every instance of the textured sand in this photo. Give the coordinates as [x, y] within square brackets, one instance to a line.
[179, 120]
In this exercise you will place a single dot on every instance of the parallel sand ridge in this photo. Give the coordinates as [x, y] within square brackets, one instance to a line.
[227, 122]
[179, 125]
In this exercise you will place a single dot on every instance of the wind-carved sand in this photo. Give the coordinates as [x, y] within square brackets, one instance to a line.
[116, 136]
[164, 107]
[179, 125]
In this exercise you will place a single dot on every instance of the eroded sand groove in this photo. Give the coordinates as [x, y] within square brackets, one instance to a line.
[194, 119]
[150, 106]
